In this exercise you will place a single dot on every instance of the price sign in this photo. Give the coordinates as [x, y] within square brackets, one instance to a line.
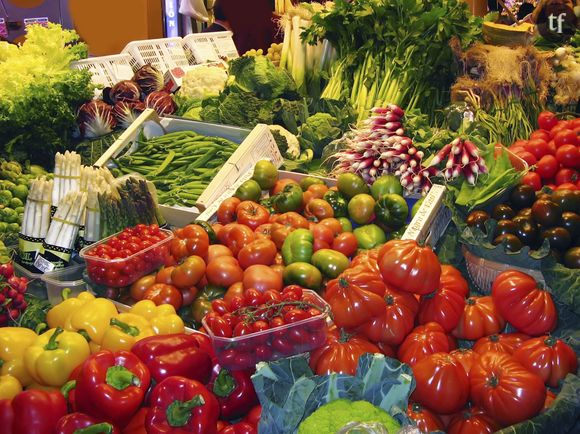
[3, 28]
[43, 21]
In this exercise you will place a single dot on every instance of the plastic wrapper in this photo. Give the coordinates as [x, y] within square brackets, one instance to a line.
[363, 428]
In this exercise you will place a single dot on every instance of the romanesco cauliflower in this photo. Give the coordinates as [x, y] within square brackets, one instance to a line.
[203, 82]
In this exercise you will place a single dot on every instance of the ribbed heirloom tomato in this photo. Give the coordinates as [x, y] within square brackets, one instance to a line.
[161, 293]
[423, 341]
[506, 390]
[480, 318]
[472, 421]
[426, 420]
[502, 343]
[442, 383]
[466, 357]
[523, 304]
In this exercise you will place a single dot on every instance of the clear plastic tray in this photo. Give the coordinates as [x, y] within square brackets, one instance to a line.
[241, 352]
[70, 277]
[36, 285]
[483, 271]
[133, 267]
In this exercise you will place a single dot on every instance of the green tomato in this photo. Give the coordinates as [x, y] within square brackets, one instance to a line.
[208, 229]
[202, 304]
[392, 211]
[303, 274]
[361, 208]
[298, 246]
[289, 199]
[416, 207]
[15, 203]
[330, 262]
[369, 236]
[337, 202]
[350, 185]
[308, 181]
[249, 190]
[386, 184]
[346, 224]
[265, 174]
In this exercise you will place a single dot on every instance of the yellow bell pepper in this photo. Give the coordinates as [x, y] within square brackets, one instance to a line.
[9, 387]
[54, 355]
[13, 343]
[93, 318]
[36, 386]
[163, 318]
[126, 329]
[60, 315]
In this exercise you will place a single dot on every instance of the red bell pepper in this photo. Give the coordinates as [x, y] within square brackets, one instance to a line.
[69, 389]
[180, 405]
[80, 423]
[222, 424]
[253, 416]
[137, 424]
[239, 428]
[235, 393]
[6, 415]
[37, 411]
[174, 355]
[112, 386]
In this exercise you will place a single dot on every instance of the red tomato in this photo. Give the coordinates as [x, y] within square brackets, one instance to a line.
[566, 175]
[164, 275]
[197, 240]
[503, 343]
[547, 166]
[480, 318]
[340, 353]
[345, 243]
[237, 237]
[188, 273]
[562, 125]
[179, 248]
[260, 251]
[528, 157]
[519, 300]
[423, 341]
[409, 267]
[189, 295]
[252, 214]
[217, 250]
[506, 390]
[140, 286]
[446, 305]
[547, 120]
[552, 146]
[567, 186]
[264, 231]
[218, 326]
[550, 358]
[319, 244]
[235, 290]
[550, 397]
[160, 293]
[262, 278]
[226, 212]
[224, 271]
[472, 421]
[466, 357]
[442, 384]
[323, 232]
[541, 134]
[538, 148]
[426, 420]
[565, 137]
[280, 184]
[568, 156]
[395, 322]
[532, 179]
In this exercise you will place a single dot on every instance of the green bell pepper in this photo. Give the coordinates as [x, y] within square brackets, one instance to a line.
[298, 247]
[338, 203]
[289, 199]
[392, 211]
[369, 236]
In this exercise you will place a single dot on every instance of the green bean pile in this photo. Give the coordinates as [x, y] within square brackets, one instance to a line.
[180, 164]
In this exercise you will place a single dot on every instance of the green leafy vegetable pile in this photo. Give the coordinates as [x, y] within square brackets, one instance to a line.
[393, 51]
[39, 93]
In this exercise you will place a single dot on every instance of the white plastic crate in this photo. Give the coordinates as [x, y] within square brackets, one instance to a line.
[107, 70]
[483, 271]
[209, 47]
[164, 54]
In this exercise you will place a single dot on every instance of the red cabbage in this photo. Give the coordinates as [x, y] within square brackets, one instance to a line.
[162, 102]
[126, 112]
[95, 119]
[149, 79]
[125, 90]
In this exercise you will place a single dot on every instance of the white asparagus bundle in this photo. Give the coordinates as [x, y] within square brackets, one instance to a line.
[36, 219]
[67, 220]
[67, 175]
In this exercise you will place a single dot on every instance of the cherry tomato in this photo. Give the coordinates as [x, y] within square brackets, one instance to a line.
[218, 326]
[565, 137]
[547, 166]
[547, 120]
[528, 157]
[532, 179]
[568, 156]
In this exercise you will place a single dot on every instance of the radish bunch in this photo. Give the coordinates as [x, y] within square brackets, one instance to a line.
[461, 157]
[380, 147]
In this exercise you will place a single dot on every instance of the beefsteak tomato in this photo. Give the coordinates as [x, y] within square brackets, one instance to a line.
[409, 267]
[472, 421]
[445, 306]
[425, 420]
[480, 318]
[340, 353]
[442, 383]
[502, 343]
[549, 357]
[506, 390]
[523, 303]
[466, 357]
[423, 341]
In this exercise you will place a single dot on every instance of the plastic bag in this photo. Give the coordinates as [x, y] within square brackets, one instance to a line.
[363, 428]
[194, 8]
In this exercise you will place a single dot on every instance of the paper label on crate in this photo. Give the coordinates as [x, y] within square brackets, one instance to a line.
[421, 225]
[43, 264]
[43, 21]
[3, 28]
